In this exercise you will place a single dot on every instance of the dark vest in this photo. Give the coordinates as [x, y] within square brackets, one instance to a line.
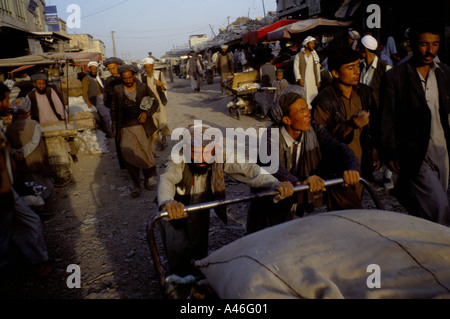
[35, 107]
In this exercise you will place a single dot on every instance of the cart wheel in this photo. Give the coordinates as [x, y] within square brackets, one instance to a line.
[80, 145]
[62, 174]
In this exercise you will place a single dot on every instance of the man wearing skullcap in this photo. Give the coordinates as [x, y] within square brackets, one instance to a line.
[197, 176]
[307, 69]
[156, 81]
[112, 64]
[20, 227]
[47, 107]
[132, 109]
[308, 154]
[345, 108]
[28, 149]
[372, 70]
[224, 65]
[93, 95]
[111, 81]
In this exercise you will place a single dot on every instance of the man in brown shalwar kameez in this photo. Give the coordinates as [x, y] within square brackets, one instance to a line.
[132, 109]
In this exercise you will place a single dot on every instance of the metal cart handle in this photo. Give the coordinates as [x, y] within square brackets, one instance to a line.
[166, 289]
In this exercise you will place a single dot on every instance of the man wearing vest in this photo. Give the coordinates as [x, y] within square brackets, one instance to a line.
[92, 88]
[47, 106]
[307, 69]
[372, 69]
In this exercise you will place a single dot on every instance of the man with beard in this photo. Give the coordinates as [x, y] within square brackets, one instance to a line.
[224, 65]
[47, 107]
[414, 100]
[157, 83]
[199, 177]
[132, 109]
[92, 89]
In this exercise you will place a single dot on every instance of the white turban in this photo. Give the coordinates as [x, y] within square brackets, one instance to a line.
[148, 61]
[369, 42]
[307, 40]
[92, 63]
[224, 47]
[354, 34]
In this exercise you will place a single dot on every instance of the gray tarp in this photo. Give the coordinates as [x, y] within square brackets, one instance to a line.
[336, 255]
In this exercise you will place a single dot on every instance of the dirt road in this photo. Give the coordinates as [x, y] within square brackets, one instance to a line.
[100, 228]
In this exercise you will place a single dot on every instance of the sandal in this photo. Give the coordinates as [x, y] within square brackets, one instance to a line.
[135, 193]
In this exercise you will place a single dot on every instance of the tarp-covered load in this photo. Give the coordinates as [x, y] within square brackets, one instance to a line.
[353, 254]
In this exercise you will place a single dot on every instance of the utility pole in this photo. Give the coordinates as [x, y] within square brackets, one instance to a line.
[114, 44]
[264, 8]
[228, 21]
[212, 31]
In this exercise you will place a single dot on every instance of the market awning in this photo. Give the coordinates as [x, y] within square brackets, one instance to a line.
[50, 58]
[254, 36]
[35, 59]
[285, 32]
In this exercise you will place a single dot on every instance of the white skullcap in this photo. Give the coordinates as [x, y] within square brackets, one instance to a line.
[92, 63]
[354, 34]
[148, 61]
[369, 42]
[224, 46]
[307, 40]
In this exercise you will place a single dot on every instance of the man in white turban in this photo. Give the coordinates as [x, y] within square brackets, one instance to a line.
[156, 81]
[307, 69]
[224, 65]
[93, 95]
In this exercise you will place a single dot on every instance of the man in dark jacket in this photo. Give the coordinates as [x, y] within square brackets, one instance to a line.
[132, 109]
[111, 81]
[345, 108]
[308, 154]
[415, 105]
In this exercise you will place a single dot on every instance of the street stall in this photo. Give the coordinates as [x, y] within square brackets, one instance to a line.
[79, 127]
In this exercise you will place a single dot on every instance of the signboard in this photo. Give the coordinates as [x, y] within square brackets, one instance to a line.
[51, 10]
[51, 19]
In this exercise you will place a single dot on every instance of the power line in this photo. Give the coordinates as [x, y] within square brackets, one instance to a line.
[92, 14]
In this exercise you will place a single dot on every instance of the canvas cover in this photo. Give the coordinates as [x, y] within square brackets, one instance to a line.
[332, 255]
[303, 26]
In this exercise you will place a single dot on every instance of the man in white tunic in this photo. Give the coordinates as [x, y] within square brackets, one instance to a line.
[307, 69]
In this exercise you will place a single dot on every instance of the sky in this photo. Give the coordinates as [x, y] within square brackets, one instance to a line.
[158, 26]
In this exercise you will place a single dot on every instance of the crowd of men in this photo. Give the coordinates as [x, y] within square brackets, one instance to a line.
[350, 118]
[355, 115]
